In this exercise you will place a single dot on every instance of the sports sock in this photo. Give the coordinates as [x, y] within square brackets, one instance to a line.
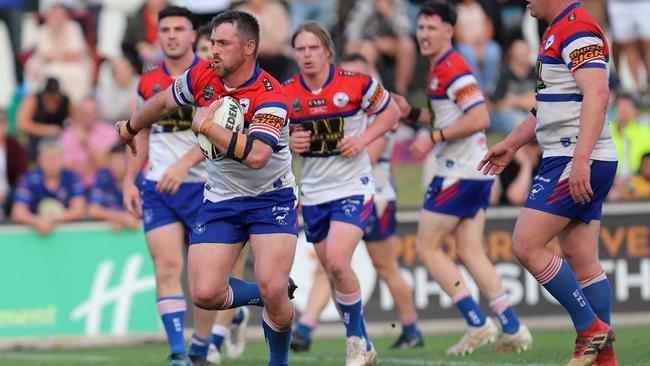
[599, 294]
[350, 308]
[241, 293]
[239, 316]
[502, 307]
[560, 281]
[306, 325]
[219, 334]
[410, 325]
[199, 346]
[474, 316]
[172, 313]
[278, 338]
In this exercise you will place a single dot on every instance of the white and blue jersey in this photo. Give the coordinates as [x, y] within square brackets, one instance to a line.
[31, 189]
[105, 191]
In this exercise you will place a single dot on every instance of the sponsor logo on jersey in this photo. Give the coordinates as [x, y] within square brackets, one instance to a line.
[549, 42]
[244, 103]
[267, 84]
[295, 105]
[376, 96]
[468, 91]
[155, 89]
[341, 99]
[572, 17]
[346, 73]
[317, 102]
[587, 53]
[208, 92]
[269, 119]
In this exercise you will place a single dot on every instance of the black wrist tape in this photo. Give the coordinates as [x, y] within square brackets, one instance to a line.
[240, 146]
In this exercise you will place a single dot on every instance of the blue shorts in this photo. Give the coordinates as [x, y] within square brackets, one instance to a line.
[381, 227]
[459, 197]
[160, 209]
[352, 210]
[550, 189]
[234, 220]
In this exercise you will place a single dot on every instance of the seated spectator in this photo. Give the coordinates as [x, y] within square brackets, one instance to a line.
[116, 99]
[274, 50]
[638, 187]
[13, 164]
[382, 28]
[61, 52]
[632, 139]
[43, 114]
[50, 194]
[140, 42]
[106, 195]
[515, 92]
[87, 141]
[474, 36]
[514, 182]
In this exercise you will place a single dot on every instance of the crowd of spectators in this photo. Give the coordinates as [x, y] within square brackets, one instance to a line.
[62, 127]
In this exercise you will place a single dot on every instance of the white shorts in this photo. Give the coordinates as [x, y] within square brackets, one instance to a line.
[629, 20]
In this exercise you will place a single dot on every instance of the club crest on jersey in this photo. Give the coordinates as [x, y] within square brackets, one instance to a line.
[566, 141]
[535, 190]
[549, 42]
[244, 102]
[208, 92]
[434, 84]
[340, 99]
[295, 105]
[199, 228]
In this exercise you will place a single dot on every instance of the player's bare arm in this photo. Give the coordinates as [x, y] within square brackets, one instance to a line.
[595, 90]
[384, 122]
[500, 155]
[76, 211]
[258, 153]
[376, 148]
[410, 113]
[151, 111]
[134, 162]
[472, 121]
[176, 173]
[299, 139]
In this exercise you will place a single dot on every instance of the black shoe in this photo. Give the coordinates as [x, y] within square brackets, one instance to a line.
[197, 360]
[408, 341]
[291, 288]
[178, 359]
[299, 343]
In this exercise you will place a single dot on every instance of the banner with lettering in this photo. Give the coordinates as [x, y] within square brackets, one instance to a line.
[80, 280]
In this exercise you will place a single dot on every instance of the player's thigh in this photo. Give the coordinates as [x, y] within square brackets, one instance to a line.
[432, 229]
[240, 264]
[167, 246]
[621, 22]
[209, 266]
[274, 254]
[579, 244]
[382, 253]
[342, 239]
[469, 233]
[534, 229]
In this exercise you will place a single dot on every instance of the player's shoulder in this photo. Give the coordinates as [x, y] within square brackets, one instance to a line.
[575, 20]
[268, 88]
[450, 68]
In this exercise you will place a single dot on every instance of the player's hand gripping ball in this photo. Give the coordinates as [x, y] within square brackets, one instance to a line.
[228, 115]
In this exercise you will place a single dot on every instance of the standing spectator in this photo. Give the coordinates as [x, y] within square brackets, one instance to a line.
[323, 12]
[632, 139]
[116, 99]
[274, 35]
[106, 195]
[140, 42]
[203, 11]
[515, 91]
[60, 51]
[43, 114]
[630, 27]
[50, 194]
[11, 13]
[474, 35]
[13, 164]
[382, 28]
[87, 141]
[639, 186]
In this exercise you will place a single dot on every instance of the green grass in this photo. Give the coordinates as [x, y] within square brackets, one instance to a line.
[550, 348]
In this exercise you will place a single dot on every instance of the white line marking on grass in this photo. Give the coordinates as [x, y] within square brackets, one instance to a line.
[417, 362]
[54, 357]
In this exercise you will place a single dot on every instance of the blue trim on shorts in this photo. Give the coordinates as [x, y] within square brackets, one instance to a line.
[233, 220]
[381, 227]
[550, 194]
[160, 209]
[460, 197]
[352, 210]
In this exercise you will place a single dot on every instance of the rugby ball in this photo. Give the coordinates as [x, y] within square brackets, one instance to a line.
[230, 116]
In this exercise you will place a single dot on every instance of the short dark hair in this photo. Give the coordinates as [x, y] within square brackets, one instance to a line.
[353, 57]
[444, 10]
[645, 156]
[627, 96]
[204, 31]
[246, 24]
[175, 11]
